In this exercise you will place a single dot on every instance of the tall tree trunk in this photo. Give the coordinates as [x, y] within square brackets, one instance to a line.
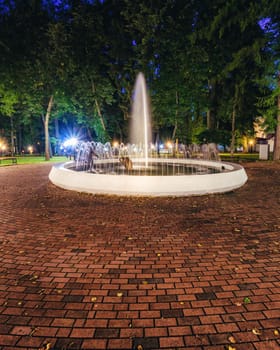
[176, 116]
[174, 131]
[46, 128]
[89, 133]
[233, 121]
[276, 152]
[57, 136]
[97, 106]
[57, 131]
[20, 139]
[12, 136]
[232, 144]
[211, 113]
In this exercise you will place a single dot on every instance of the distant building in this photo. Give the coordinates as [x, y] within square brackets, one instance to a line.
[262, 136]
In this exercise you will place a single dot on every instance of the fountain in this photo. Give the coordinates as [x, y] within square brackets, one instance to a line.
[134, 169]
[140, 128]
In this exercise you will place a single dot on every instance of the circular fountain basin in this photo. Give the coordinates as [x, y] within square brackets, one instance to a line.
[228, 177]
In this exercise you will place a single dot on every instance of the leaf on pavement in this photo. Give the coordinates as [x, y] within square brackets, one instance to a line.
[231, 339]
[256, 331]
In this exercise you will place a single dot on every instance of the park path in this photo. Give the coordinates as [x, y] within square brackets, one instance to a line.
[79, 271]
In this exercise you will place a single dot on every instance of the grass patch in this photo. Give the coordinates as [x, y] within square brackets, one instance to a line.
[33, 160]
[240, 157]
[39, 159]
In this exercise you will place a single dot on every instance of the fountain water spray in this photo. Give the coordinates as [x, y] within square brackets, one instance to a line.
[140, 126]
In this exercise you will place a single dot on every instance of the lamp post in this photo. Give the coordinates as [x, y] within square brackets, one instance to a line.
[2, 148]
[251, 144]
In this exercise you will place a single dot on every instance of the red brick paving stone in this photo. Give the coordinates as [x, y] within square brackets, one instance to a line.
[145, 343]
[145, 323]
[132, 332]
[245, 346]
[193, 312]
[63, 332]
[267, 345]
[66, 343]
[196, 340]
[256, 307]
[214, 310]
[156, 332]
[14, 348]
[63, 322]
[210, 319]
[31, 342]
[171, 341]
[91, 344]
[227, 327]
[272, 313]
[270, 323]
[204, 329]
[8, 340]
[191, 320]
[82, 333]
[183, 266]
[124, 344]
[221, 338]
[214, 347]
[106, 333]
[4, 329]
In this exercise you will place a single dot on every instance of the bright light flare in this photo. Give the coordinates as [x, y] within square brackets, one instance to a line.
[70, 142]
[2, 146]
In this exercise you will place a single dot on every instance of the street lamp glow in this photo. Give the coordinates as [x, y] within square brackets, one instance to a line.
[3, 147]
[169, 145]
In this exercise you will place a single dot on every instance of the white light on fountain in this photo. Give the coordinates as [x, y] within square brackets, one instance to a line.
[140, 125]
[73, 141]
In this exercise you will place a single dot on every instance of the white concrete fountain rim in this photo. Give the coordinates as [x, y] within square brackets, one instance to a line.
[232, 178]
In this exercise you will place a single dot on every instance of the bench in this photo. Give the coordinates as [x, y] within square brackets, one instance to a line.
[12, 159]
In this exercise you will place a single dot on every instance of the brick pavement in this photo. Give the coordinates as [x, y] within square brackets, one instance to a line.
[79, 271]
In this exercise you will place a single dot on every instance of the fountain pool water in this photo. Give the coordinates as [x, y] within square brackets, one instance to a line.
[98, 169]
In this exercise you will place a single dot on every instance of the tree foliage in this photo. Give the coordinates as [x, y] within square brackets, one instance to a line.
[211, 66]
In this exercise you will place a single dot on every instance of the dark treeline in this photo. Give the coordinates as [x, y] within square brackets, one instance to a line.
[68, 68]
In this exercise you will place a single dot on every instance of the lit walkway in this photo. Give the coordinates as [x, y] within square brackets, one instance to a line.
[102, 272]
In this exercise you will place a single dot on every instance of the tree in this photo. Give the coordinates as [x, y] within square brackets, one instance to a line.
[202, 60]
[269, 101]
[16, 38]
[33, 58]
[93, 90]
[8, 102]
[234, 49]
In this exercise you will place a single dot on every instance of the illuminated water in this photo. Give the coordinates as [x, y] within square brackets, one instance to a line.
[140, 125]
[170, 168]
